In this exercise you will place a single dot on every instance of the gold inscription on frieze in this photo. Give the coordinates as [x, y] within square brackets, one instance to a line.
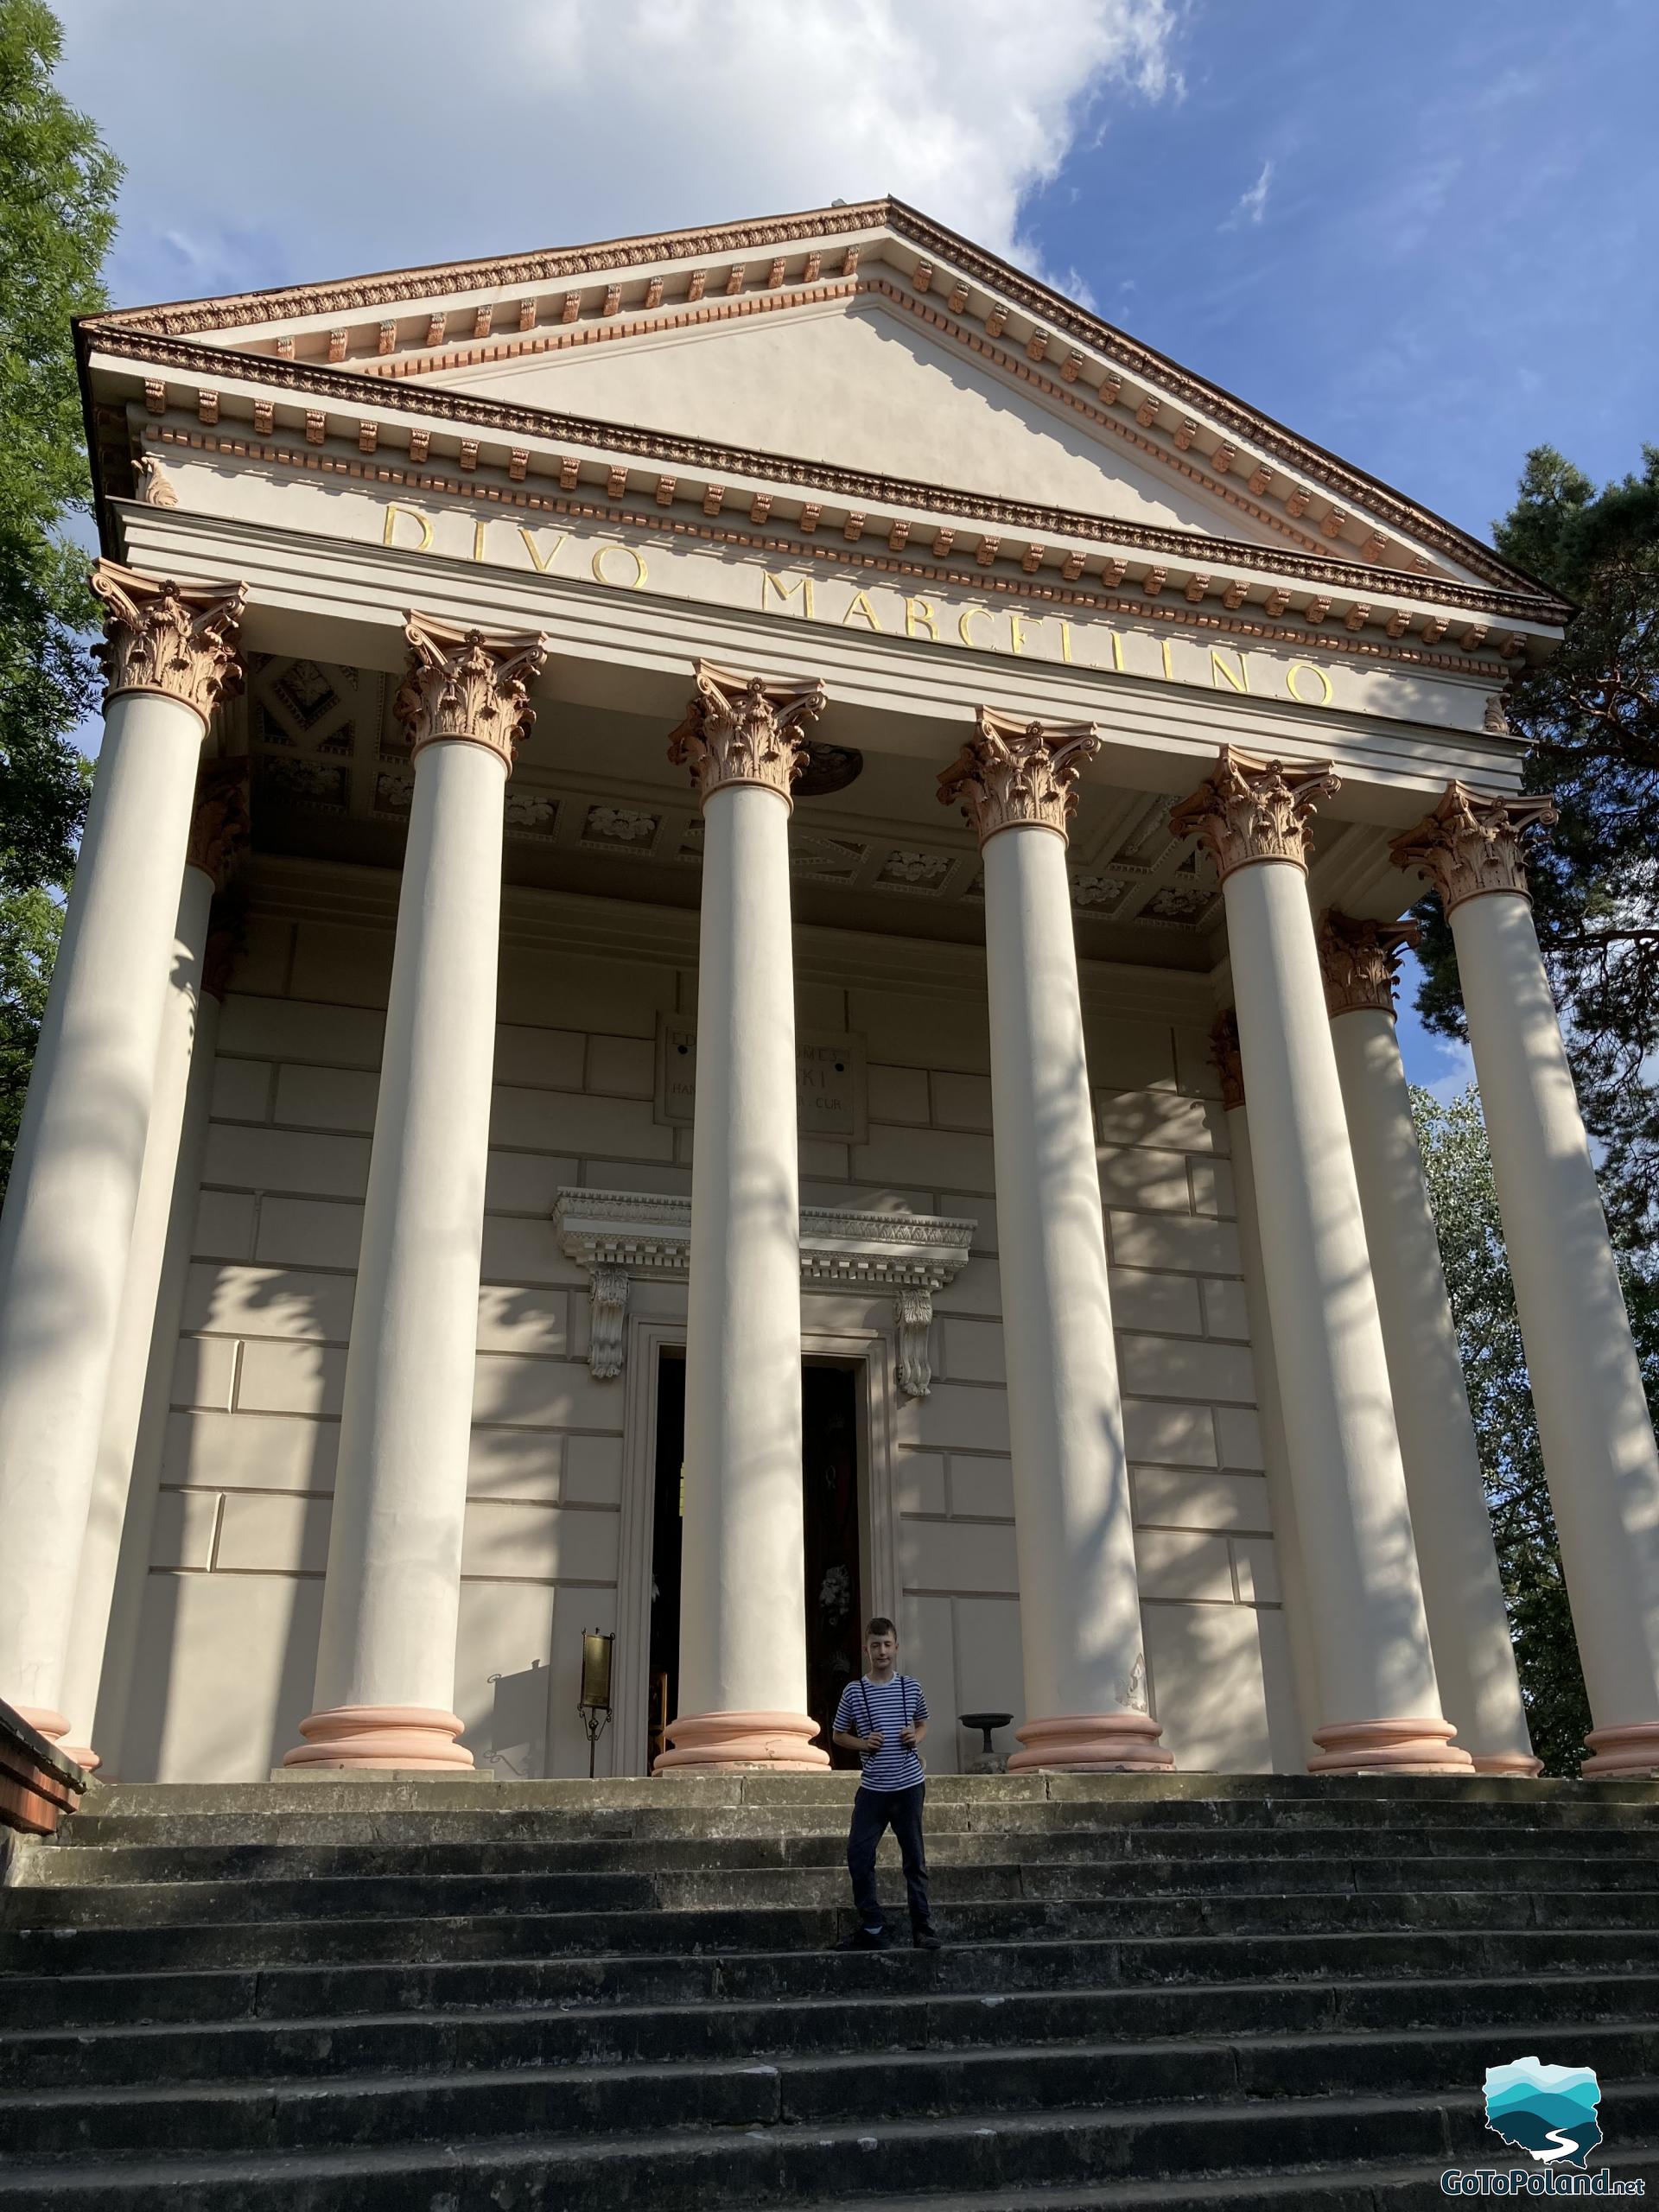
[539, 561]
[409, 514]
[1300, 668]
[787, 590]
[635, 582]
[983, 629]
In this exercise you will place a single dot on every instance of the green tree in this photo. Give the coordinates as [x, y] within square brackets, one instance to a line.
[57, 192]
[30, 923]
[1589, 717]
[1464, 1200]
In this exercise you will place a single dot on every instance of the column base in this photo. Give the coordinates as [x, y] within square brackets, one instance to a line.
[1630, 1751]
[54, 1727]
[716, 1743]
[1520, 1763]
[1093, 1742]
[368, 1737]
[1407, 1746]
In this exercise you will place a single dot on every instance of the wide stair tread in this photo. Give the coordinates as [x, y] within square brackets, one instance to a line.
[995, 2158]
[1220, 1994]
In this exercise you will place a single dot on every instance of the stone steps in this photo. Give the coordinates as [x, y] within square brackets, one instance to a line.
[768, 2162]
[280, 2115]
[380, 1994]
[693, 1891]
[97, 1996]
[116, 1859]
[316, 2046]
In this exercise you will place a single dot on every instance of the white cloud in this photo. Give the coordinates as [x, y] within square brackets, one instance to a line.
[271, 145]
[1252, 206]
[1457, 1069]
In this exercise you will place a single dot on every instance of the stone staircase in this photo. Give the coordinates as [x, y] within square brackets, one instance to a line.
[464, 1996]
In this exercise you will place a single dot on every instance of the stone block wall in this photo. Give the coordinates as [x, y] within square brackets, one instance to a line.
[230, 1616]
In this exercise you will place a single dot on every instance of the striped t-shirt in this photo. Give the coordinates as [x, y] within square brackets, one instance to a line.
[867, 1708]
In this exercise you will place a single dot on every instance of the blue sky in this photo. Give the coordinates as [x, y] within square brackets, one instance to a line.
[1422, 235]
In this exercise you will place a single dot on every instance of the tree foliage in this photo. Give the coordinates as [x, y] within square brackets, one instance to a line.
[57, 191]
[1464, 1200]
[1590, 719]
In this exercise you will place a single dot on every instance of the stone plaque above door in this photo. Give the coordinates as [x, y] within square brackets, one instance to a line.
[829, 1085]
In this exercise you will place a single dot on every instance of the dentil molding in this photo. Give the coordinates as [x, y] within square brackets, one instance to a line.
[619, 1234]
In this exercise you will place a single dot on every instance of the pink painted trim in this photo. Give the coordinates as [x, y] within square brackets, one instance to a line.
[378, 1735]
[709, 1743]
[1632, 1749]
[1520, 1763]
[1405, 1746]
[1093, 1742]
[82, 1756]
[45, 1722]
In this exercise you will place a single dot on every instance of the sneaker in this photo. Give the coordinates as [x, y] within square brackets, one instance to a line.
[864, 1939]
[926, 1939]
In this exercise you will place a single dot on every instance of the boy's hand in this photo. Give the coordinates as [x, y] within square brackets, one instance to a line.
[873, 1742]
[908, 1735]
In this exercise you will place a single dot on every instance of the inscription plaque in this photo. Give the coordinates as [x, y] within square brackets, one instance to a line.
[829, 1089]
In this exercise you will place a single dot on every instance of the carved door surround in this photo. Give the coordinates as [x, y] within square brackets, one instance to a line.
[620, 1236]
[868, 1351]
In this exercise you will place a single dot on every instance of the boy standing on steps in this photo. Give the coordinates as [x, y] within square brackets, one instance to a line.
[883, 1717]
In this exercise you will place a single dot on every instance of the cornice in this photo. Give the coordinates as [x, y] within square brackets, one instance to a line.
[1060, 315]
[1249, 621]
[387, 287]
[352, 390]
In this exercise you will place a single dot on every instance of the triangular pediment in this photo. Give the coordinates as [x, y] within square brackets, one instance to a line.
[861, 352]
[862, 384]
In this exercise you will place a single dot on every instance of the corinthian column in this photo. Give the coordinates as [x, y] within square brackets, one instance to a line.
[1229, 1064]
[1079, 1601]
[386, 1654]
[169, 659]
[218, 835]
[742, 1677]
[1463, 1595]
[1593, 1422]
[1379, 1700]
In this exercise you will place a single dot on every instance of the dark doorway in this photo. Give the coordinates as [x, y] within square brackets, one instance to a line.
[664, 1671]
[829, 1501]
[833, 1593]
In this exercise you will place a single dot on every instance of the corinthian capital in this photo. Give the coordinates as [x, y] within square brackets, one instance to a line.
[178, 639]
[1248, 809]
[1227, 1058]
[740, 729]
[1470, 844]
[220, 826]
[1360, 961]
[1011, 772]
[469, 685]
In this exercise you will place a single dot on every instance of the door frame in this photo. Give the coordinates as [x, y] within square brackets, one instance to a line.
[870, 1352]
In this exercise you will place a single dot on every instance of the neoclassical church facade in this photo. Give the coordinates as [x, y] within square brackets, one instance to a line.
[733, 968]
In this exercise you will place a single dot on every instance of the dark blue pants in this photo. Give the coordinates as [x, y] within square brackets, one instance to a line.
[900, 1810]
